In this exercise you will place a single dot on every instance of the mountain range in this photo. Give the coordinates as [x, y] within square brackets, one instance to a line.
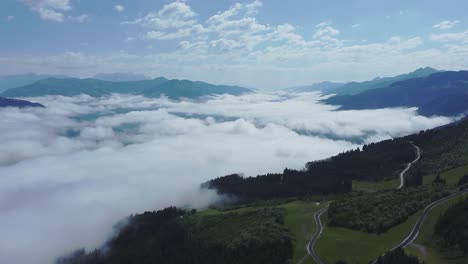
[353, 88]
[121, 77]
[433, 92]
[12, 81]
[173, 89]
[321, 86]
[441, 93]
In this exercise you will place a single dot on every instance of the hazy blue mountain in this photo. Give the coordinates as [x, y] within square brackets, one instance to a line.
[442, 93]
[321, 86]
[359, 87]
[121, 77]
[73, 86]
[173, 89]
[12, 81]
[7, 102]
[447, 105]
[191, 89]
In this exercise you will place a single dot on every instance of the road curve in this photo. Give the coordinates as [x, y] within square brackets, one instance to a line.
[311, 244]
[415, 231]
[318, 214]
[408, 166]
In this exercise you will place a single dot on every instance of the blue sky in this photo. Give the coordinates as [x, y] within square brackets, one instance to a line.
[263, 44]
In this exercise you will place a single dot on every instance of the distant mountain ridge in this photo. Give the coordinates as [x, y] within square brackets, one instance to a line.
[321, 86]
[12, 81]
[442, 93]
[8, 102]
[353, 88]
[121, 77]
[157, 87]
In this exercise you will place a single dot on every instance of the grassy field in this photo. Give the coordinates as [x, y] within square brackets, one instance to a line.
[359, 247]
[451, 176]
[424, 247]
[299, 218]
[354, 246]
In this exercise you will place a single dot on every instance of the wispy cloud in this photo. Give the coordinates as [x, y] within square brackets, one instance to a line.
[52, 10]
[80, 19]
[119, 8]
[451, 37]
[446, 24]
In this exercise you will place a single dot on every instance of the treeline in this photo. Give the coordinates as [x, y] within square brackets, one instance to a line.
[290, 183]
[463, 180]
[441, 149]
[378, 212]
[451, 229]
[376, 161]
[177, 236]
[397, 256]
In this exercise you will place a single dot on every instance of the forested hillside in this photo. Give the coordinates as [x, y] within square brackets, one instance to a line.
[451, 229]
[441, 149]
[376, 161]
[177, 236]
[397, 256]
[378, 212]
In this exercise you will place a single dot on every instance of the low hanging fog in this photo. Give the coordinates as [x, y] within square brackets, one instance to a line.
[70, 171]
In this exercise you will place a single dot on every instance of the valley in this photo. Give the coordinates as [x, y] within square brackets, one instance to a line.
[233, 132]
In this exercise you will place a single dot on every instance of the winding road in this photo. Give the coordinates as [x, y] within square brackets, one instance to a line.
[311, 244]
[411, 237]
[408, 166]
[415, 231]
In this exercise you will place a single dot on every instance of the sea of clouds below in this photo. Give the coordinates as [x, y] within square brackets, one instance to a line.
[70, 171]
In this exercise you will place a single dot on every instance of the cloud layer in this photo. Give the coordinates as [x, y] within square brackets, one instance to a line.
[71, 170]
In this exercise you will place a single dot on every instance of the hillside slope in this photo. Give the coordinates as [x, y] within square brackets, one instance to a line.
[177, 236]
[353, 88]
[433, 94]
[7, 102]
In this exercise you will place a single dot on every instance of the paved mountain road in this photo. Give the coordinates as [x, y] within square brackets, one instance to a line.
[408, 166]
[311, 244]
[408, 240]
[415, 231]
